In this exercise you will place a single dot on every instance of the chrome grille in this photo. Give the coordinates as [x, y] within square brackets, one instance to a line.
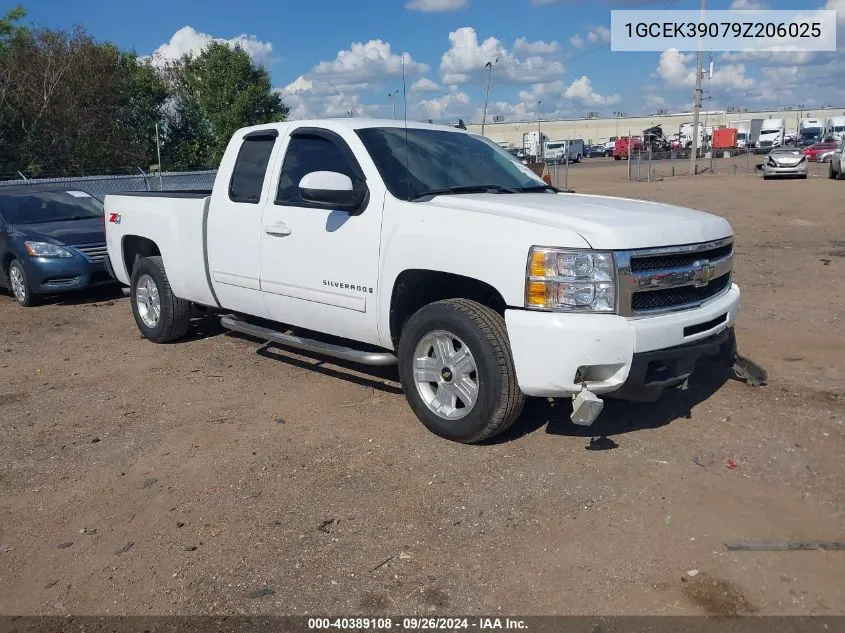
[94, 252]
[673, 278]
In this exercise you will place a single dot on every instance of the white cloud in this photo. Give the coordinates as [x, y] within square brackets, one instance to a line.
[677, 70]
[466, 58]
[189, 40]
[740, 5]
[424, 84]
[436, 6]
[451, 105]
[335, 88]
[577, 41]
[654, 101]
[581, 90]
[366, 61]
[540, 47]
[600, 34]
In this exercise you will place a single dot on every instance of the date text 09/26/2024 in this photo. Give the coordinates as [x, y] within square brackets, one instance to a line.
[416, 624]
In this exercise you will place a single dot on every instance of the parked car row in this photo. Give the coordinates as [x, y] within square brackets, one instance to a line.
[51, 241]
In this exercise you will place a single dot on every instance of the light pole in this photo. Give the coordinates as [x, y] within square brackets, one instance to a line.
[539, 134]
[489, 67]
[392, 96]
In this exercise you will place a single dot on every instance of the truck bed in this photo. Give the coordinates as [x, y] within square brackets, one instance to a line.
[175, 221]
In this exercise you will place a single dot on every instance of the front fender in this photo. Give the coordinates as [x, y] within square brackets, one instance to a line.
[490, 249]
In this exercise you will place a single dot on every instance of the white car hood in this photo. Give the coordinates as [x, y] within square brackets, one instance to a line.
[604, 222]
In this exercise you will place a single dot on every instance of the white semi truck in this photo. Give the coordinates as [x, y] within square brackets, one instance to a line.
[772, 133]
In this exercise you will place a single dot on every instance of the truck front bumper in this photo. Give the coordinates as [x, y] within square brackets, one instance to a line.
[556, 353]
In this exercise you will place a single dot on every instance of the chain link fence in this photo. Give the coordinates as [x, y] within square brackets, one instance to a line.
[645, 166]
[100, 186]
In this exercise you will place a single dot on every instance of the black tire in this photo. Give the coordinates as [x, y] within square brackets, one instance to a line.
[29, 298]
[830, 173]
[617, 158]
[803, 176]
[174, 318]
[499, 401]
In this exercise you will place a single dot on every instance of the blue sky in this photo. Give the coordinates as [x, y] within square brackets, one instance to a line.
[333, 56]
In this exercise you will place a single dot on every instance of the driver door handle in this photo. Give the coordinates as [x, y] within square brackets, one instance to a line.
[279, 229]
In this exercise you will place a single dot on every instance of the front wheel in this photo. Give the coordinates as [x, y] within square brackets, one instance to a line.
[830, 172]
[161, 316]
[457, 370]
[19, 285]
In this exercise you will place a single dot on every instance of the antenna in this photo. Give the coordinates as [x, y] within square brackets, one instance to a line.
[407, 148]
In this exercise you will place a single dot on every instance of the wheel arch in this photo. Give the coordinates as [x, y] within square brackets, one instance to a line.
[135, 247]
[416, 287]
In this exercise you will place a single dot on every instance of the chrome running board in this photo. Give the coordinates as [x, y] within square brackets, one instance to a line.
[381, 359]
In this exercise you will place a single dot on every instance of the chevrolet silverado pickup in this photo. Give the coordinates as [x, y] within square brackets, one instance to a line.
[433, 249]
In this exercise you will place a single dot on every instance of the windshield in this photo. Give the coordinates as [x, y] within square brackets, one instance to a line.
[438, 160]
[741, 136]
[555, 145]
[49, 206]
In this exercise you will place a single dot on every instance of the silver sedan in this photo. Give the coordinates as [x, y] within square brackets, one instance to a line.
[785, 162]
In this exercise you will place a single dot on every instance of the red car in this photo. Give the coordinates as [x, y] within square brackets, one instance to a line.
[625, 145]
[815, 151]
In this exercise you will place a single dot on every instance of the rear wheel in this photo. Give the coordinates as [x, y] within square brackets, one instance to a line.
[160, 315]
[830, 172]
[19, 285]
[457, 370]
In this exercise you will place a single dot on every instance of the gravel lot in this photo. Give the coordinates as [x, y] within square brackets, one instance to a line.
[217, 475]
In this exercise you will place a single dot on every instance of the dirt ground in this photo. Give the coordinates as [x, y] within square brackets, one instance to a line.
[217, 475]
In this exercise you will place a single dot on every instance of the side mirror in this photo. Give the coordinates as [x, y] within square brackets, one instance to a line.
[332, 190]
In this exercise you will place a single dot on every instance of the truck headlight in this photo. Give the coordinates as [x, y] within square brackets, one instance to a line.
[565, 280]
[45, 249]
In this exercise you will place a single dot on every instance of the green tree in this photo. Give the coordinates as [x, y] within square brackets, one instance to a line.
[215, 93]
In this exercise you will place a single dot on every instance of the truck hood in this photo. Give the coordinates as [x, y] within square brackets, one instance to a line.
[88, 231]
[604, 222]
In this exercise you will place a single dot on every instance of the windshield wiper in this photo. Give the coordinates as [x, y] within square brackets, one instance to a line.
[465, 189]
[538, 189]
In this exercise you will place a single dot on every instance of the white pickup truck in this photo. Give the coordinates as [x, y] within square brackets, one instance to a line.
[433, 248]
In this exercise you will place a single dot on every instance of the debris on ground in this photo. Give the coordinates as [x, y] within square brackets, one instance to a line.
[180, 524]
[668, 519]
[692, 573]
[190, 548]
[383, 563]
[260, 593]
[5, 548]
[52, 583]
[64, 544]
[325, 526]
[126, 547]
[149, 481]
[731, 464]
[749, 372]
[87, 531]
[773, 546]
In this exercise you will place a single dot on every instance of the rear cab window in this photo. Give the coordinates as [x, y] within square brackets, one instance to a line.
[250, 169]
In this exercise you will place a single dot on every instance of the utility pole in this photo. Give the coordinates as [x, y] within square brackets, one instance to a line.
[539, 134]
[158, 152]
[392, 96]
[489, 67]
[697, 101]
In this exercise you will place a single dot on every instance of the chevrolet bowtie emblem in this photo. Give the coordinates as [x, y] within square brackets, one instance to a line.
[704, 272]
